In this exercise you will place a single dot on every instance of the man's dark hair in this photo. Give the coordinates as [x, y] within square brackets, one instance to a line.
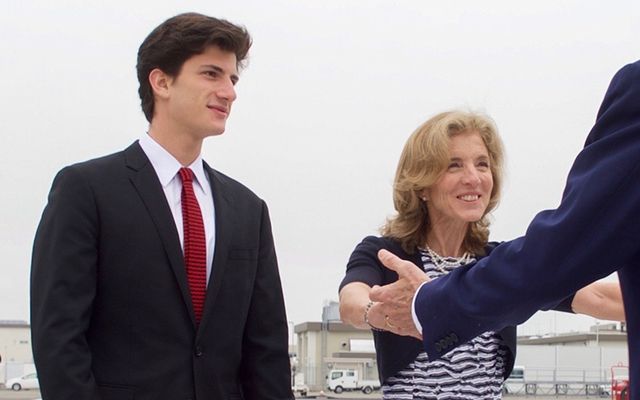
[179, 38]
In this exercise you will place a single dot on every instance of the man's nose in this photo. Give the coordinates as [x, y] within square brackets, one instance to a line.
[227, 91]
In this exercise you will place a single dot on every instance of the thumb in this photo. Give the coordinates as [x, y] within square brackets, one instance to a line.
[391, 261]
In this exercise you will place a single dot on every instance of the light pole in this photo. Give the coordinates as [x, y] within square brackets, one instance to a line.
[293, 359]
[291, 329]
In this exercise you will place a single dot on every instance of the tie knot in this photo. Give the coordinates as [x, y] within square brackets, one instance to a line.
[186, 174]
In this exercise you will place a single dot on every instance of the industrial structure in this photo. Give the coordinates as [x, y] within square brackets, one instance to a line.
[15, 349]
[576, 357]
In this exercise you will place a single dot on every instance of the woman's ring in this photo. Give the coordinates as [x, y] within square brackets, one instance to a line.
[388, 322]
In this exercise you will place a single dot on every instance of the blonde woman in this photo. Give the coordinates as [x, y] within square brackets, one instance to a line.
[448, 180]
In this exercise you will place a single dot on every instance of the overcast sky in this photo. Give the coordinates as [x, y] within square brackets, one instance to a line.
[332, 91]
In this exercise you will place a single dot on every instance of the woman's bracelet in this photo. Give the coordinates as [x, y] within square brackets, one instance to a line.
[366, 317]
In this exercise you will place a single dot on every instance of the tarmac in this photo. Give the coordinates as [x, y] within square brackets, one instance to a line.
[6, 394]
[378, 395]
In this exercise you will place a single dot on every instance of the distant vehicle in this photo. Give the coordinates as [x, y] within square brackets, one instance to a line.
[340, 380]
[28, 381]
[604, 390]
[515, 382]
[300, 389]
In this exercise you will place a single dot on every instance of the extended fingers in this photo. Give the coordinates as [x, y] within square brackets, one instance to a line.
[391, 261]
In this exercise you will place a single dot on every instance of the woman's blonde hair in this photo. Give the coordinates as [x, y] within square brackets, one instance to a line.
[424, 159]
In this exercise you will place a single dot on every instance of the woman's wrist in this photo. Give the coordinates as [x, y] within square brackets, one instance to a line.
[366, 317]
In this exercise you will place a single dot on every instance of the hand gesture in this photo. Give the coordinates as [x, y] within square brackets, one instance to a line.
[395, 299]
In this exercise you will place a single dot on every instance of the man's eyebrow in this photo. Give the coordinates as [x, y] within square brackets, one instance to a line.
[212, 66]
[234, 77]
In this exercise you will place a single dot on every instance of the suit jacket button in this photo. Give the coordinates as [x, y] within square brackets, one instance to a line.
[198, 352]
[454, 337]
[438, 347]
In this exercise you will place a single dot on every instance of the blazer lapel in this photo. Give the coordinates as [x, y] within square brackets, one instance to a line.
[224, 211]
[145, 180]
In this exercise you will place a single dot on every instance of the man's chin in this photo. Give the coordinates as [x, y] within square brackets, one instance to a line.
[215, 132]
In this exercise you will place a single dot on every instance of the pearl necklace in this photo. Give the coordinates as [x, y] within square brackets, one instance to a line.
[445, 264]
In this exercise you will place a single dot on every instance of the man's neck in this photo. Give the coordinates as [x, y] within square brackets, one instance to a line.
[184, 147]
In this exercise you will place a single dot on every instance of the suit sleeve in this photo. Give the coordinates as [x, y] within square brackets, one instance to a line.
[593, 233]
[63, 285]
[266, 371]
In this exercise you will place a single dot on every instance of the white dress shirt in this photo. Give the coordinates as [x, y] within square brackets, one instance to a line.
[414, 315]
[167, 167]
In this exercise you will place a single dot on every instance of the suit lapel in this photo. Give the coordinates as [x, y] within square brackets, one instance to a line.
[145, 180]
[224, 211]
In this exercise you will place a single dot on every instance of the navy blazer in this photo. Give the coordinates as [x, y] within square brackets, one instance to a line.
[395, 352]
[111, 312]
[594, 232]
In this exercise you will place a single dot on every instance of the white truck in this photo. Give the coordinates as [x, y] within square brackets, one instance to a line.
[300, 389]
[515, 383]
[339, 380]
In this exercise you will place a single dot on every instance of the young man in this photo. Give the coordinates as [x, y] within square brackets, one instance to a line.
[155, 276]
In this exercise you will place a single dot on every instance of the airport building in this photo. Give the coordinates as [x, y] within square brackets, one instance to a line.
[331, 344]
[15, 349]
[587, 356]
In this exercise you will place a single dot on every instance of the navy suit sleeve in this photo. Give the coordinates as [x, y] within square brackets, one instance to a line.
[593, 233]
[63, 287]
[265, 371]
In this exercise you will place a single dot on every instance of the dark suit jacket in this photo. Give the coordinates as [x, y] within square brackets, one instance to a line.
[594, 232]
[111, 312]
[395, 352]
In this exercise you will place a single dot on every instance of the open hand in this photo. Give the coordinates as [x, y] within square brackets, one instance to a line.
[395, 299]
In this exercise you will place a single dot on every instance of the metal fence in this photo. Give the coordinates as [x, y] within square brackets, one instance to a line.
[594, 382]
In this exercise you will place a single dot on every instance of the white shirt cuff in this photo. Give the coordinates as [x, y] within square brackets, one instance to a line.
[416, 322]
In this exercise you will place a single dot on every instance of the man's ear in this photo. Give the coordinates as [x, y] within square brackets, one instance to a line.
[159, 82]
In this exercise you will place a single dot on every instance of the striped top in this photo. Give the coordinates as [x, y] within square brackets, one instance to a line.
[474, 370]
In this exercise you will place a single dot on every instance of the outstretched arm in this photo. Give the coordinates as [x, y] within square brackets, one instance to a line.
[354, 306]
[602, 300]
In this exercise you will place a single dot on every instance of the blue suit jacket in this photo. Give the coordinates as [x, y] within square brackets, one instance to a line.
[594, 232]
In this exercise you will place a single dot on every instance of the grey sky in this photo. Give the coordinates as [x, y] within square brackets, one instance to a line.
[332, 90]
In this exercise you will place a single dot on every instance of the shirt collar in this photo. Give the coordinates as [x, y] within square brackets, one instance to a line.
[166, 165]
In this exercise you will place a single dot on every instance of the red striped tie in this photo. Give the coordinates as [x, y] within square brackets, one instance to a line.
[195, 246]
